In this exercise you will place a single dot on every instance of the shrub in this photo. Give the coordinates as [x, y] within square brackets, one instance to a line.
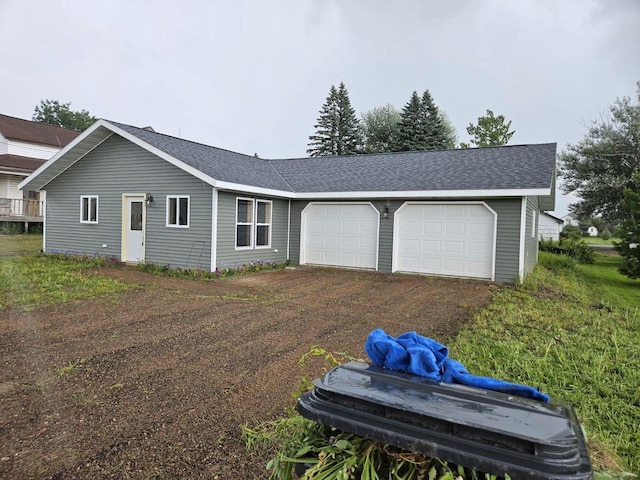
[557, 262]
[606, 235]
[223, 271]
[571, 232]
[576, 249]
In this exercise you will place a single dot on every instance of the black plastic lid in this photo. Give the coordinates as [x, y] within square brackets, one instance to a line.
[489, 431]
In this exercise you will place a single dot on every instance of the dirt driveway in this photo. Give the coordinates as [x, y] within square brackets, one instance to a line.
[156, 382]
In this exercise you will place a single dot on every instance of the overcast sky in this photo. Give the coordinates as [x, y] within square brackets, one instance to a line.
[251, 76]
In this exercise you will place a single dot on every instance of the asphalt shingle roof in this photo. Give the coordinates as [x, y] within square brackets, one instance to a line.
[489, 168]
[35, 132]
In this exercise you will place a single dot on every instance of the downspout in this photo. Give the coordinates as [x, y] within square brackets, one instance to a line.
[289, 231]
[214, 228]
[523, 230]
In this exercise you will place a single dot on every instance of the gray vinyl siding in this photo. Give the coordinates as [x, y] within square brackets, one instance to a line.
[507, 231]
[531, 234]
[507, 238]
[294, 234]
[112, 169]
[227, 255]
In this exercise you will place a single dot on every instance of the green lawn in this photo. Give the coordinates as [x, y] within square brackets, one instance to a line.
[28, 279]
[20, 244]
[599, 241]
[575, 333]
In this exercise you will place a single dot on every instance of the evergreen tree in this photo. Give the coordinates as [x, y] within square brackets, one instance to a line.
[337, 130]
[421, 126]
[435, 129]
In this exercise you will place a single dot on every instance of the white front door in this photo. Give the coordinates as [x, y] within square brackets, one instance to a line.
[133, 245]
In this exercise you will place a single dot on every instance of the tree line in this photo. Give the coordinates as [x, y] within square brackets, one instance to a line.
[421, 125]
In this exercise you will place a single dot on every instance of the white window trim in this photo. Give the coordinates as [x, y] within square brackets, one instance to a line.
[251, 224]
[178, 197]
[256, 224]
[253, 231]
[90, 198]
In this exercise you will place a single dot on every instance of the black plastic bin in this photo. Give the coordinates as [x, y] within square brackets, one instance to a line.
[475, 428]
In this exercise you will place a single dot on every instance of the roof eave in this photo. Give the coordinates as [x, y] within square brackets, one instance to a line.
[382, 195]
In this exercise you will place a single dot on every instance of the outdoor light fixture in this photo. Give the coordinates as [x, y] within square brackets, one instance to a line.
[148, 198]
[386, 212]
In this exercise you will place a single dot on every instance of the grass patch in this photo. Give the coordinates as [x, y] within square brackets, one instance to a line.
[613, 287]
[572, 331]
[30, 280]
[20, 244]
[600, 241]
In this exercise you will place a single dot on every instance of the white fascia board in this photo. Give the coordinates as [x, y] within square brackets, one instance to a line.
[239, 187]
[54, 159]
[419, 194]
[379, 195]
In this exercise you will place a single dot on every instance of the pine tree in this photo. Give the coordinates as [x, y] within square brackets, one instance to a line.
[337, 130]
[435, 130]
[421, 126]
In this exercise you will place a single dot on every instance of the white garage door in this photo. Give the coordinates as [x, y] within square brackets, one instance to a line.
[445, 239]
[343, 235]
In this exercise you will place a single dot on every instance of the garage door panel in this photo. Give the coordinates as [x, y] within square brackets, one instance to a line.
[431, 246]
[457, 210]
[445, 239]
[454, 267]
[431, 228]
[340, 235]
[349, 242]
[454, 247]
[455, 228]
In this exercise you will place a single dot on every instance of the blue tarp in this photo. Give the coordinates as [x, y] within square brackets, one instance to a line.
[423, 356]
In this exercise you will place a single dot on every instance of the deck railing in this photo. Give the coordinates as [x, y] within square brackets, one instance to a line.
[17, 207]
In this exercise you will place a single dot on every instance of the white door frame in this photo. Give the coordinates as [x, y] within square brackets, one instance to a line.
[303, 226]
[396, 230]
[125, 223]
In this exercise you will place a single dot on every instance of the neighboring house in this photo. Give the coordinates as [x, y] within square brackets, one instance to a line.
[569, 219]
[549, 227]
[25, 146]
[592, 231]
[147, 197]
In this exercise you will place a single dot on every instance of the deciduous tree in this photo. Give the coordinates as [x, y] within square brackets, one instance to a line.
[378, 127]
[59, 114]
[603, 170]
[490, 131]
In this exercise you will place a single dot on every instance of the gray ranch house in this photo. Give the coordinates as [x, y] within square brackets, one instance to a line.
[147, 197]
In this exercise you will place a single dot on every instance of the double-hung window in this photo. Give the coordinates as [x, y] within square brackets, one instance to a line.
[178, 211]
[253, 223]
[89, 209]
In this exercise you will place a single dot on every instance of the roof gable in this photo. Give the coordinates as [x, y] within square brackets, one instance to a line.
[13, 128]
[490, 171]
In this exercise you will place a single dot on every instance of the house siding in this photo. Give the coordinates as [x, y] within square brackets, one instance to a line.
[118, 167]
[508, 238]
[507, 233]
[226, 253]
